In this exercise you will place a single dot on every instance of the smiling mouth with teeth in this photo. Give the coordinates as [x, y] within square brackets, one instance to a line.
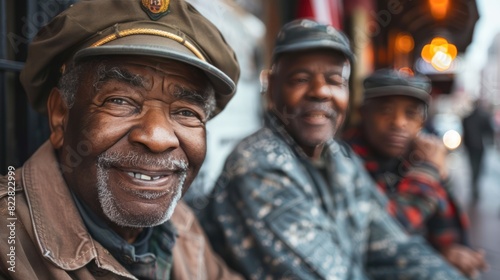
[144, 177]
[317, 116]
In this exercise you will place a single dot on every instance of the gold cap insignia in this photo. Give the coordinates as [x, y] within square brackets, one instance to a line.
[156, 8]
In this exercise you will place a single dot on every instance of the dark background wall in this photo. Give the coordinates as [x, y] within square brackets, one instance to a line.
[22, 130]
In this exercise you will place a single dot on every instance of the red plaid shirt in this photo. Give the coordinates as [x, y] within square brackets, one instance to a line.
[418, 199]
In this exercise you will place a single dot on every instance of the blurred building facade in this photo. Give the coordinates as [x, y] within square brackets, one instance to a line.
[426, 36]
[489, 92]
[245, 33]
[490, 75]
[22, 130]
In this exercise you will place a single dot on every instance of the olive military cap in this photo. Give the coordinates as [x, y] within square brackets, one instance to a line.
[306, 34]
[388, 82]
[159, 28]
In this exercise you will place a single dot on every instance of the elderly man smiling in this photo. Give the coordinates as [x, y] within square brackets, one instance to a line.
[128, 87]
[292, 202]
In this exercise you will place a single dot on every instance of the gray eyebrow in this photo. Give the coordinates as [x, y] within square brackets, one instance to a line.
[119, 74]
[205, 99]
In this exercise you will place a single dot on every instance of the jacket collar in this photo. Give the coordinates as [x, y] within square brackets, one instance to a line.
[58, 227]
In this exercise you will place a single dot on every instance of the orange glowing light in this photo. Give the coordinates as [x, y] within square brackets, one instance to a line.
[407, 70]
[439, 53]
[439, 8]
[404, 43]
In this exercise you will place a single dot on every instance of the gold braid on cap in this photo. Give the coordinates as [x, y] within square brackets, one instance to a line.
[149, 31]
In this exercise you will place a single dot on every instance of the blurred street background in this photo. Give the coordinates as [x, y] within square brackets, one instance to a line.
[484, 214]
[456, 43]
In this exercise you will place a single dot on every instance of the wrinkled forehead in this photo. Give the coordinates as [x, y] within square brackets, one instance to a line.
[144, 69]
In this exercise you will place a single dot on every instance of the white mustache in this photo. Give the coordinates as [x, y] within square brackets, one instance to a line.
[133, 159]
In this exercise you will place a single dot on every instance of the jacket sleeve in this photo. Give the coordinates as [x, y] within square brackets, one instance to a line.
[274, 228]
[394, 255]
[18, 259]
[390, 252]
[417, 196]
[286, 235]
[193, 255]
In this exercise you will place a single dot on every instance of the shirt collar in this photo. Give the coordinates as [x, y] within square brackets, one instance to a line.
[127, 254]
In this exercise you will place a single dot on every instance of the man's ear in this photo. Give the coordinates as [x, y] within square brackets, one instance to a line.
[266, 84]
[57, 113]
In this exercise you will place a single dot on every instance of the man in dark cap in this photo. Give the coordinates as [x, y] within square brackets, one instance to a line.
[128, 87]
[293, 203]
[410, 166]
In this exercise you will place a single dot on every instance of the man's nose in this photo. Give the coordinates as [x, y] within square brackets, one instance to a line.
[319, 90]
[399, 119]
[155, 131]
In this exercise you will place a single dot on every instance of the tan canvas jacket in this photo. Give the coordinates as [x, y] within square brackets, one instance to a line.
[51, 241]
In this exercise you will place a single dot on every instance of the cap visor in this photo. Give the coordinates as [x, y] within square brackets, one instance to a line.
[316, 44]
[155, 46]
[398, 91]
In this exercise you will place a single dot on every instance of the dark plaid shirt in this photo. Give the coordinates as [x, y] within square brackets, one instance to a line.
[418, 199]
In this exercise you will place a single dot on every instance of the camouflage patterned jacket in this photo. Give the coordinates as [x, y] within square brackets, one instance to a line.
[273, 215]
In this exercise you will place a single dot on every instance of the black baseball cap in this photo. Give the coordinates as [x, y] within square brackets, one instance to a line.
[306, 34]
[389, 82]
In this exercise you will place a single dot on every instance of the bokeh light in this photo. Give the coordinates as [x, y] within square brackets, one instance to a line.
[439, 53]
[452, 139]
[404, 43]
[439, 8]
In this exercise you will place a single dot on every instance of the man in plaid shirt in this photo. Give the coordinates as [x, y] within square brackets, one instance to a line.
[410, 167]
